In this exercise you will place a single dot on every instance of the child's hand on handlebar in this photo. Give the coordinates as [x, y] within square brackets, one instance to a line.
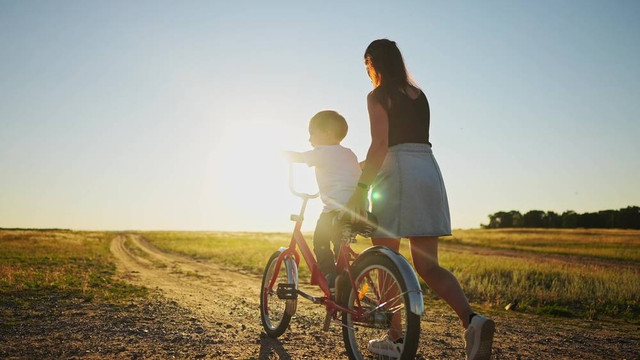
[292, 156]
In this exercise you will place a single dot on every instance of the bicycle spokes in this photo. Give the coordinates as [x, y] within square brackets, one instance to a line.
[378, 308]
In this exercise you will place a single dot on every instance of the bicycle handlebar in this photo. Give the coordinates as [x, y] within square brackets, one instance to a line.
[293, 190]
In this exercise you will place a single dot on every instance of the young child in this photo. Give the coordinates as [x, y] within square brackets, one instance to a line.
[337, 174]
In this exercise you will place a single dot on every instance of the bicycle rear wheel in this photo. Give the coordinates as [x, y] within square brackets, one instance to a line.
[275, 313]
[384, 310]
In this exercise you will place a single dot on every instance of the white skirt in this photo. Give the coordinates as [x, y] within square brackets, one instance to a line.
[408, 195]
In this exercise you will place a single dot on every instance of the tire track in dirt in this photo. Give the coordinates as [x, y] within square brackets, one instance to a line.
[202, 288]
[226, 302]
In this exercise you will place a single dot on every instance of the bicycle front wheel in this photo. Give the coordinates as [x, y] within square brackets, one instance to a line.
[381, 302]
[275, 313]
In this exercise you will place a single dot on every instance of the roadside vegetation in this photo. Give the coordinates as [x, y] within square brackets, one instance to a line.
[590, 274]
[59, 264]
[612, 244]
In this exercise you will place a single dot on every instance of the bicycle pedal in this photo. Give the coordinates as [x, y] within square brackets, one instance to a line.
[287, 291]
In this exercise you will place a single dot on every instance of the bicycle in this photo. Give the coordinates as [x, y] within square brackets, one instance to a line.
[377, 290]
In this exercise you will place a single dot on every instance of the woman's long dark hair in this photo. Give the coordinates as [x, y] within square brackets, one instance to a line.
[386, 59]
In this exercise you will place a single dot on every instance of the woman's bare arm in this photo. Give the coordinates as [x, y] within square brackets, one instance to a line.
[379, 123]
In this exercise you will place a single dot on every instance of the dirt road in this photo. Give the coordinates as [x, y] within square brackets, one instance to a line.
[226, 302]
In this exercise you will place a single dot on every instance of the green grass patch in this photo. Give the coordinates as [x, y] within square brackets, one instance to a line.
[599, 243]
[590, 291]
[247, 251]
[61, 264]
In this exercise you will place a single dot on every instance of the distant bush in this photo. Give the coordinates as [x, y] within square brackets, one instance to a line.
[626, 218]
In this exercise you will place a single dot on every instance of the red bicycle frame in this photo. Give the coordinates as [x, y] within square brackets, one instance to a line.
[345, 256]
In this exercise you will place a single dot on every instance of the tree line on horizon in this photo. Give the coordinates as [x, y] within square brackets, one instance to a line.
[625, 218]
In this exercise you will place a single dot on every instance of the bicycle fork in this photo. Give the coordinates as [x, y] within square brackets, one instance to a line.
[288, 291]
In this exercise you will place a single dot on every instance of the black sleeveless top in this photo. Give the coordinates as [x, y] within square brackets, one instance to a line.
[409, 120]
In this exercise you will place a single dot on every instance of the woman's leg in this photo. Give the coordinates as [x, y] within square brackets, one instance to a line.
[424, 251]
[391, 243]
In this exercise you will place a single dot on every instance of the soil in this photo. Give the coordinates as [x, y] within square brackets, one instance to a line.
[201, 310]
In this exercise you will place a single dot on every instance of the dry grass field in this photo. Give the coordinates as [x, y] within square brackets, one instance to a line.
[186, 295]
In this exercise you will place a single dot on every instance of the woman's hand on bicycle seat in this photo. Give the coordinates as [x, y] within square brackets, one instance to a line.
[364, 225]
[356, 207]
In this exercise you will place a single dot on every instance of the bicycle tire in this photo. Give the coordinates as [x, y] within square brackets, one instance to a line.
[275, 313]
[356, 335]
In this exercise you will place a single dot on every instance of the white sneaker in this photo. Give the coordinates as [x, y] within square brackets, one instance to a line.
[385, 347]
[478, 338]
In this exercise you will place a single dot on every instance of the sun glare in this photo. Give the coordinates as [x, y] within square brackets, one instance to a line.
[256, 176]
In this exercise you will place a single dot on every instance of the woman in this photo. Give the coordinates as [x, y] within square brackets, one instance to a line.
[409, 197]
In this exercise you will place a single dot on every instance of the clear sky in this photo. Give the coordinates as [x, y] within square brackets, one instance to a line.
[171, 114]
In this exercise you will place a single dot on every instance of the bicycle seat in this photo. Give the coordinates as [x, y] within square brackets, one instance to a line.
[363, 226]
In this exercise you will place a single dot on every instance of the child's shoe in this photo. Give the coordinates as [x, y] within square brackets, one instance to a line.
[386, 347]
